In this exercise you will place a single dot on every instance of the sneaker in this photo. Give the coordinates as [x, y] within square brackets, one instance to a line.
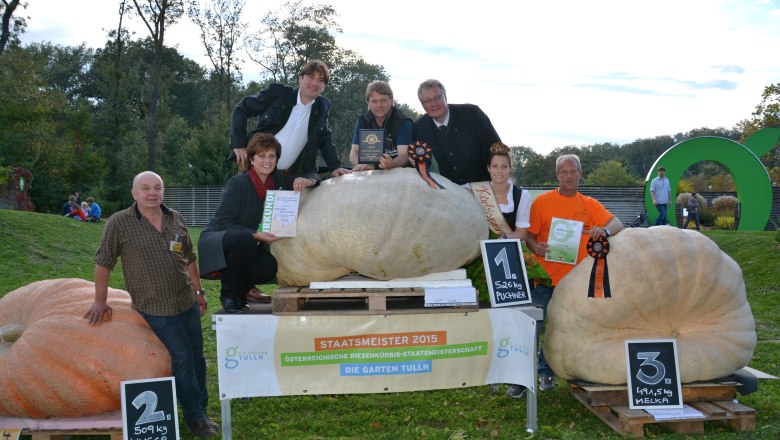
[200, 428]
[547, 383]
[516, 391]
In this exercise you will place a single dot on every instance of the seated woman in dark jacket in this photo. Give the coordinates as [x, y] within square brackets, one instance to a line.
[231, 244]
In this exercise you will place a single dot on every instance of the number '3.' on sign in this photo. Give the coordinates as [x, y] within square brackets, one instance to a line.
[652, 366]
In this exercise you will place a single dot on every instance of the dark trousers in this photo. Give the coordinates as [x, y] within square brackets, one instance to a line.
[541, 295]
[661, 220]
[182, 335]
[695, 216]
[248, 263]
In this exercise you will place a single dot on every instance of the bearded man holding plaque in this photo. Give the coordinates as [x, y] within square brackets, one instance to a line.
[562, 222]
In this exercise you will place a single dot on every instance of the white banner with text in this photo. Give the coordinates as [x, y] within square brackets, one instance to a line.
[267, 355]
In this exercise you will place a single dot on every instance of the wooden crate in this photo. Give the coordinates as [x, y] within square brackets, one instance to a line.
[56, 428]
[715, 400]
[355, 301]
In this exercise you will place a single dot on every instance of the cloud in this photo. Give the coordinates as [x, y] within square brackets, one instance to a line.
[729, 69]
[622, 89]
[720, 84]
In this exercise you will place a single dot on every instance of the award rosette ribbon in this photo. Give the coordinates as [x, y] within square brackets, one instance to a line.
[599, 275]
[421, 155]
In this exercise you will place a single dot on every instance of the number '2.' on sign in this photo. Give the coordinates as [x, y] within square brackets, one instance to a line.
[505, 272]
[149, 409]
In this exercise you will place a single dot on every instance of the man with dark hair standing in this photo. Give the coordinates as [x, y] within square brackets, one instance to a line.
[161, 276]
[661, 192]
[459, 135]
[297, 117]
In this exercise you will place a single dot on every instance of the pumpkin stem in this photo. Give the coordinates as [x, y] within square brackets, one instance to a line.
[9, 334]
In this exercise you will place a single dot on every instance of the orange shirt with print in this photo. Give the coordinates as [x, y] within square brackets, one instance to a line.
[582, 208]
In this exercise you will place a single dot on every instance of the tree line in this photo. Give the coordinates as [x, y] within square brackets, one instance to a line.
[88, 119]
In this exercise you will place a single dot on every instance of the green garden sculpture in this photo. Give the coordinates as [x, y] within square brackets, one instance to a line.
[754, 188]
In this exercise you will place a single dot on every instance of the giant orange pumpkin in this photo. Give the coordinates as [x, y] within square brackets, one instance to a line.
[54, 364]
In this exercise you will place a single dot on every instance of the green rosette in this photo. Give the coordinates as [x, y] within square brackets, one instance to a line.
[476, 273]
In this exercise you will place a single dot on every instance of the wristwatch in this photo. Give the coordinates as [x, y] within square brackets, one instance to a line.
[607, 231]
[200, 292]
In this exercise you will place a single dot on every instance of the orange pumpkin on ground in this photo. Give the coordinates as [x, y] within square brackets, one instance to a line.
[54, 364]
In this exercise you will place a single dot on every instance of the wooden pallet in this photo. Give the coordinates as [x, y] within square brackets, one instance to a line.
[715, 400]
[375, 301]
[56, 428]
[116, 434]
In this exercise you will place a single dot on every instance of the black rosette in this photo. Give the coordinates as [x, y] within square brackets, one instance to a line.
[421, 155]
[598, 287]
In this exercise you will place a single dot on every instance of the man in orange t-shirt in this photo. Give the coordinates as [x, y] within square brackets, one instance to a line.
[564, 202]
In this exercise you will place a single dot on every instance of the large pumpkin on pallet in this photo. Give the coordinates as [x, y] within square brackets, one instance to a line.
[54, 364]
[666, 283]
[381, 224]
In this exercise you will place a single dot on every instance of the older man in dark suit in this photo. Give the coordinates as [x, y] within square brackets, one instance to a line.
[459, 135]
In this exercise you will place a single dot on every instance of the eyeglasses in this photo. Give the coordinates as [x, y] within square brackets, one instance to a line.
[437, 98]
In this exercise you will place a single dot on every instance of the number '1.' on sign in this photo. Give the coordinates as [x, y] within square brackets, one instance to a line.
[505, 272]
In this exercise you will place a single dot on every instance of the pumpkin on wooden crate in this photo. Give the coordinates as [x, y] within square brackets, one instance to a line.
[381, 224]
[666, 283]
[53, 363]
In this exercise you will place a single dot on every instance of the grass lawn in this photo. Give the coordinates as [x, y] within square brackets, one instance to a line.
[35, 246]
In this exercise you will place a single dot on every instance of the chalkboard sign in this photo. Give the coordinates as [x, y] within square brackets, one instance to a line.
[653, 374]
[505, 271]
[149, 409]
[10, 434]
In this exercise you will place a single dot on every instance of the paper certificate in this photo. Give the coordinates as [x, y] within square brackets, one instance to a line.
[563, 243]
[280, 213]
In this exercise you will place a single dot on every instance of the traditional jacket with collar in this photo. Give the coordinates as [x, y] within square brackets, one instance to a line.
[462, 151]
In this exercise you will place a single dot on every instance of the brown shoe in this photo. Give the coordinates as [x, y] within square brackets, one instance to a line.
[256, 296]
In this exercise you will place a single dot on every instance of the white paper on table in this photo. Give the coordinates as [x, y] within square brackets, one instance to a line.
[686, 412]
[450, 296]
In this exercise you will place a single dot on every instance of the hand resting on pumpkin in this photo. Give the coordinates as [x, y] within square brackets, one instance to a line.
[98, 312]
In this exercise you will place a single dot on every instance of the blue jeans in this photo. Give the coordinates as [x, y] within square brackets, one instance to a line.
[182, 335]
[661, 220]
[541, 295]
[695, 216]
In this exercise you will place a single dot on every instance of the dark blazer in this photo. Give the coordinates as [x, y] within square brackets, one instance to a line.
[240, 208]
[273, 105]
[462, 151]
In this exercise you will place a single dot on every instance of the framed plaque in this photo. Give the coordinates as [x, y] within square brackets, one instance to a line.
[371, 146]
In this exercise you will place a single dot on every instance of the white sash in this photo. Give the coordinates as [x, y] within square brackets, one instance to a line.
[484, 194]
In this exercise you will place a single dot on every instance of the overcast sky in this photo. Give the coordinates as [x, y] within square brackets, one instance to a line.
[548, 73]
